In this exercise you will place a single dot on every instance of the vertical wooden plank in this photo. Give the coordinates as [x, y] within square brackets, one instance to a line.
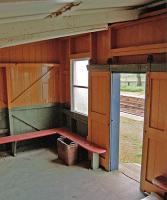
[154, 107]
[155, 132]
[150, 160]
[64, 60]
[37, 52]
[99, 113]
[162, 118]
[8, 79]
[102, 47]
[3, 94]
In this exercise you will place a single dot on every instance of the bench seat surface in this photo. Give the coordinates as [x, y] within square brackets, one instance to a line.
[161, 182]
[80, 141]
[61, 131]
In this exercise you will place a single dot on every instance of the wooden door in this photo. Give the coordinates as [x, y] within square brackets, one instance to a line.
[155, 135]
[99, 112]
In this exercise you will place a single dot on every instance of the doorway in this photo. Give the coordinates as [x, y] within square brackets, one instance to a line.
[132, 99]
[127, 122]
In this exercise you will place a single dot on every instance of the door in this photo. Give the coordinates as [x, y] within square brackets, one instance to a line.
[99, 113]
[155, 130]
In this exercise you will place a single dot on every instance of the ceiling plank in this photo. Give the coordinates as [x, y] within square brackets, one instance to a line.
[36, 30]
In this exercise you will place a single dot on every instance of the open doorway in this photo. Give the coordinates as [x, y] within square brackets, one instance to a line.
[132, 98]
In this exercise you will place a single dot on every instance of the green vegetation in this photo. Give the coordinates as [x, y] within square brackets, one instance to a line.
[131, 131]
[132, 88]
[131, 139]
[133, 83]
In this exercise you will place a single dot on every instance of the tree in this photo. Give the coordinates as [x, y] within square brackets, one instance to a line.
[139, 82]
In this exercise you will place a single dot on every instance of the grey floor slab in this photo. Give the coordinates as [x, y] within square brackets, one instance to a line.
[38, 175]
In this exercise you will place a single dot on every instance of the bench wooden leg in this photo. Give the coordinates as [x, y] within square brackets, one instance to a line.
[95, 161]
[14, 148]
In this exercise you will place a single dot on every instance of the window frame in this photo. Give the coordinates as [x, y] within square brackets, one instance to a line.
[72, 85]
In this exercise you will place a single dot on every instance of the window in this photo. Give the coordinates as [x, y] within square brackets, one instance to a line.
[79, 87]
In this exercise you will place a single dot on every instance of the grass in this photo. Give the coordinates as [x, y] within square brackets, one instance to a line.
[131, 138]
[132, 88]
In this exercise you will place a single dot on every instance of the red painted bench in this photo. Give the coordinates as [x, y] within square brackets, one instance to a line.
[94, 149]
[161, 182]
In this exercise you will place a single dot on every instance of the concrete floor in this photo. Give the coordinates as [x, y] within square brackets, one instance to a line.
[38, 175]
[132, 170]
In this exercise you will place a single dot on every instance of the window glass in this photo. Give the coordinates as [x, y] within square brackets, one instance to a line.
[80, 86]
[81, 100]
[80, 73]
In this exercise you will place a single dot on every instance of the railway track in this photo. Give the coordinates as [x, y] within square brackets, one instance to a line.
[132, 105]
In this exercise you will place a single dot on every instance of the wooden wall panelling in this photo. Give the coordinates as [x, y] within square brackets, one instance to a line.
[67, 86]
[4, 122]
[33, 94]
[3, 88]
[38, 52]
[112, 38]
[143, 36]
[102, 47]
[93, 48]
[64, 72]
[141, 32]
[155, 135]
[9, 89]
[33, 118]
[62, 68]
[67, 74]
[142, 59]
[139, 50]
[80, 46]
[3, 102]
[39, 84]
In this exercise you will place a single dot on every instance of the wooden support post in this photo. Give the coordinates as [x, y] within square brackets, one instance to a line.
[14, 144]
[95, 161]
[8, 82]
[14, 148]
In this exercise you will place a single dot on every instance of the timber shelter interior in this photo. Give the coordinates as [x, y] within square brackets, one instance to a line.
[43, 45]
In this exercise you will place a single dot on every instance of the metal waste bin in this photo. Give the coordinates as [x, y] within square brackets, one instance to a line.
[67, 150]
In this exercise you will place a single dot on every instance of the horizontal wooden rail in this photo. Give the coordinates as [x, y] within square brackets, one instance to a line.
[80, 55]
[139, 50]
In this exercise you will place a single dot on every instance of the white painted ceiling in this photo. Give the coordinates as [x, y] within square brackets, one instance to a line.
[23, 21]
